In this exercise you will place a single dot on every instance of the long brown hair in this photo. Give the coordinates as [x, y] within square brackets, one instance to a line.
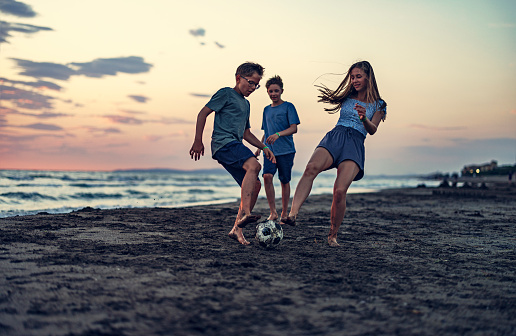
[345, 89]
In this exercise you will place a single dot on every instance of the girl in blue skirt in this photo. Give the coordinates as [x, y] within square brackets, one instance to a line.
[361, 110]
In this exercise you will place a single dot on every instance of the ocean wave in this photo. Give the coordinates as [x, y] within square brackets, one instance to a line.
[201, 191]
[27, 196]
[92, 196]
[23, 185]
[98, 185]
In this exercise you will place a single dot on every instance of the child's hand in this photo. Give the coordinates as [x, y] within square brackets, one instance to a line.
[197, 150]
[272, 138]
[257, 153]
[268, 153]
[361, 112]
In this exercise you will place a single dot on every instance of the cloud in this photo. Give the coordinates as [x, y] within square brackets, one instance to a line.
[44, 115]
[44, 69]
[6, 110]
[197, 32]
[3, 113]
[7, 27]
[49, 115]
[24, 138]
[16, 8]
[200, 32]
[201, 95]
[43, 127]
[111, 66]
[135, 121]
[132, 112]
[138, 98]
[173, 121]
[38, 85]
[108, 130]
[97, 68]
[124, 120]
[25, 99]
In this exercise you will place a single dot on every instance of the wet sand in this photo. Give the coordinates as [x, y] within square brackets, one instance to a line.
[417, 261]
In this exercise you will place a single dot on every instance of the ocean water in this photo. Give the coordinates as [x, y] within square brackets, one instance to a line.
[25, 192]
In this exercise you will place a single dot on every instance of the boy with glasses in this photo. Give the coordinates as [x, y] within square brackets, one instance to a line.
[230, 126]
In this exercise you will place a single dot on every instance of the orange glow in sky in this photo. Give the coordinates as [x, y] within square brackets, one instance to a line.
[102, 85]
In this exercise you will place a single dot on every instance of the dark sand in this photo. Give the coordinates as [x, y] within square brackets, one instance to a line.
[412, 262]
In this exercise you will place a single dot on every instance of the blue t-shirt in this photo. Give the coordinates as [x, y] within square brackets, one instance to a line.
[232, 112]
[349, 116]
[277, 119]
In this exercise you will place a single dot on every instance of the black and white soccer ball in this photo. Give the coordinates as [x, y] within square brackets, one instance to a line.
[269, 234]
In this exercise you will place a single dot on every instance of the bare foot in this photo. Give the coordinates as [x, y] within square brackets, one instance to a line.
[247, 219]
[290, 220]
[333, 242]
[273, 217]
[238, 236]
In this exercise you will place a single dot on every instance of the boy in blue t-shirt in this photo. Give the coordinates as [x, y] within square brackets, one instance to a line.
[230, 126]
[279, 123]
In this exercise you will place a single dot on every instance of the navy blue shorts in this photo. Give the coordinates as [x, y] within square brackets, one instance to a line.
[345, 143]
[284, 164]
[232, 157]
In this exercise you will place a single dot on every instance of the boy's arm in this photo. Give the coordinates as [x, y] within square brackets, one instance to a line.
[253, 140]
[198, 147]
[259, 149]
[289, 131]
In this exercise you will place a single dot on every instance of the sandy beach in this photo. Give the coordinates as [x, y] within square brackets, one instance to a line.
[421, 261]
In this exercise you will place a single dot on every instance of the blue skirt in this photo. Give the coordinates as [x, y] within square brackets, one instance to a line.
[345, 143]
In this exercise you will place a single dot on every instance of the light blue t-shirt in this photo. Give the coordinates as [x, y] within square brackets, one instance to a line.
[232, 112]
[277, 119]
[349, 116]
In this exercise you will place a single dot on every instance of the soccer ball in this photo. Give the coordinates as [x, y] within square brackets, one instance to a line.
[269, 234]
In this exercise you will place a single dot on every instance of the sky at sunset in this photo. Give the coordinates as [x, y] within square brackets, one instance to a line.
[118, 84]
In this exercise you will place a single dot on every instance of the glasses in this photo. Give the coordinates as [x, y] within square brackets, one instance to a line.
[256, 86]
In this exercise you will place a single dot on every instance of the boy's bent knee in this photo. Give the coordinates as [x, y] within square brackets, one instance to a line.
[252, 165]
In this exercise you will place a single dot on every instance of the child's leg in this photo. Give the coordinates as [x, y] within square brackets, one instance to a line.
[237, 233]
[285, 198]
[271, 196]
[256, 192]
[269, 169]
[320, 160]
[249, 194]
[346, 172]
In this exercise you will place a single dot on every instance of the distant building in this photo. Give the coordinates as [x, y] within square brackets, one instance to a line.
[477, 169]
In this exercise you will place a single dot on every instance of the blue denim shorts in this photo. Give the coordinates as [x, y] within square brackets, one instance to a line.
[283, 165]
[232, 157]
[345, 143]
